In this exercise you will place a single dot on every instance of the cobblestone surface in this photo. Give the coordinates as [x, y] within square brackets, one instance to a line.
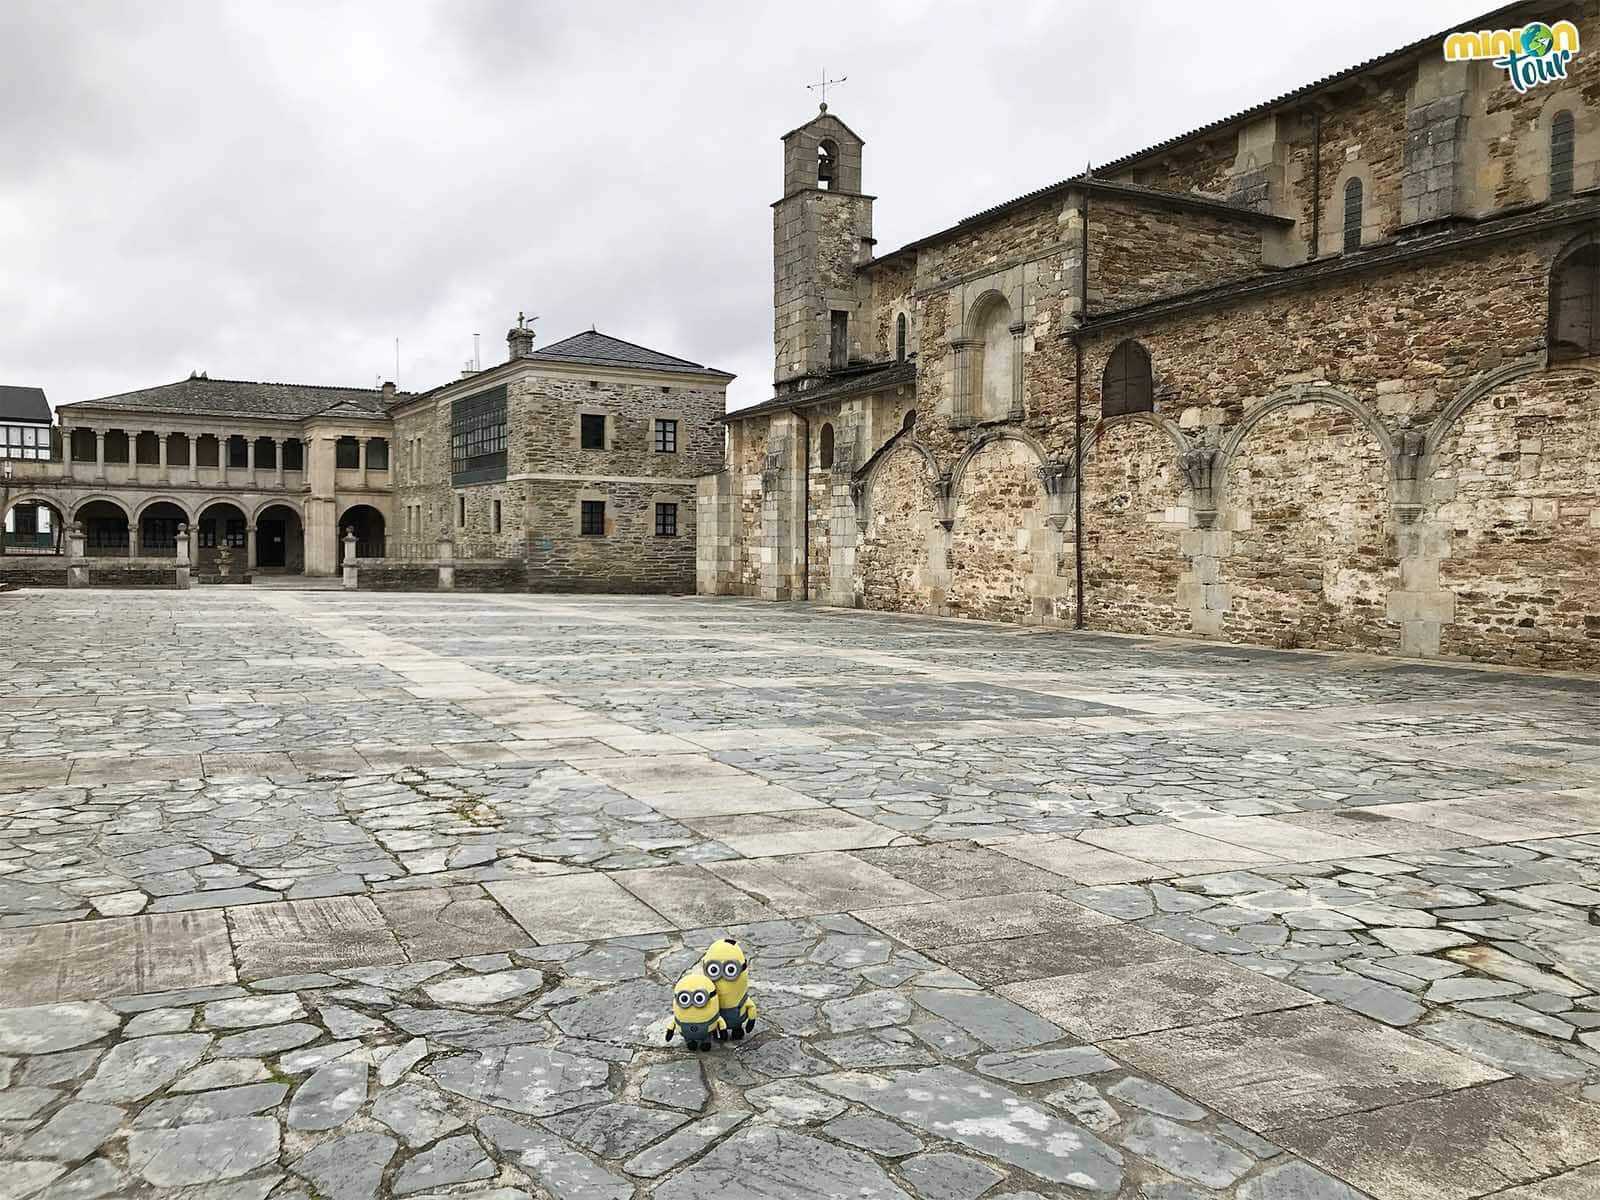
[316, 895]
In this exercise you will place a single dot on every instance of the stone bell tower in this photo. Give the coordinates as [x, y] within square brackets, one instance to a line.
[821, 230]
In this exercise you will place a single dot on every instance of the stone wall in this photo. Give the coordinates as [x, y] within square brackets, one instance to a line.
[374, 575]
[997, 506]
[629, 558]
[894, 556]
[33, 572]
[1139, 252]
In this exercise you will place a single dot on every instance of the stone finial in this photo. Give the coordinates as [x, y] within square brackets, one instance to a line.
[520, 339]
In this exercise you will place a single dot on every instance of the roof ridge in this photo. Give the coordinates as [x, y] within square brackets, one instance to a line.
[624, 342]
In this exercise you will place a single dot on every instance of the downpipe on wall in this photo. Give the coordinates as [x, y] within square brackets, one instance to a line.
[805, 507]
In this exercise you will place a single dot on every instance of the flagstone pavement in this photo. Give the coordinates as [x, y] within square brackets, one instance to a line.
[358, 895]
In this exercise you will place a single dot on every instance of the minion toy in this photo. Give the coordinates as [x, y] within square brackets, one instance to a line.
[725, 966]
[694, 1012]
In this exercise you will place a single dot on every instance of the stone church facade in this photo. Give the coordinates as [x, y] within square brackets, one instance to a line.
[1320, 374]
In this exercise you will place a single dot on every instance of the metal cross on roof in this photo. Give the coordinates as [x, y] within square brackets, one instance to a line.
[824, 85]
[522, 320]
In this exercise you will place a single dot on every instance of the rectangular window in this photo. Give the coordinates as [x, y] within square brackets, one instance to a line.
[461, 512]
[666, 520]
[24, 441]
[478, 437]
[347, 454]
[496, 517]
[838, 339]
[294, 455]
[666, 436]
[593, 522]
[592, 431]
[377, 454]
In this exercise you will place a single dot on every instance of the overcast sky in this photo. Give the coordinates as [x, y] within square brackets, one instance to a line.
[278, 190]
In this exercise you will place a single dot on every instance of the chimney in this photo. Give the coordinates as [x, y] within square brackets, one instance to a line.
[520, 339]
[388, 391]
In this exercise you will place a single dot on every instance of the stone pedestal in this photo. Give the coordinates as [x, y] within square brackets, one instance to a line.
[350, 578]
[446, 555]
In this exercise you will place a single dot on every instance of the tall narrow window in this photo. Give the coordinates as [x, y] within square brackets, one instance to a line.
[666, 436]
[838, 339]
[592, 431]
[1575, 304]
[461, 512]
[592, 519]
[1127, 386]
[825, 447]
[496, 518]
[827, 159]
[666, 520]
[900, 338]
[1561, 156]
[1352, 215]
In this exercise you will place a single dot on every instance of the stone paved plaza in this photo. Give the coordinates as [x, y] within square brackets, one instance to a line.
[339, 895]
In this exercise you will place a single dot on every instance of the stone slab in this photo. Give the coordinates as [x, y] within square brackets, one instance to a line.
[949, 922]
[1170, 992]
[1069, 950]
[767, 835]
[817, 883]
[691, 897]
[119, 956]
[1170, 846]
[1080, 862]
[959, 872]
[1451, 1147]
[1274, 1069]
[576, 908]
[294, 937]
[450, 922]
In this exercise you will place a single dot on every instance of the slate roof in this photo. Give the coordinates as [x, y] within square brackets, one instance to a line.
[23, 404]
[198, 396]
[853, 381]
[595, 349]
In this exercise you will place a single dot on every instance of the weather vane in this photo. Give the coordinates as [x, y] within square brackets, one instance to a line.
[522, 320]
[824, 86]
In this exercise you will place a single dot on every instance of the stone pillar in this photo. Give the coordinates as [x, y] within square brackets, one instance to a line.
[349, 559]
[183, 579]
[250, 546]
[446, 554]
[250, 458]
[277, 450]
[961, 414]
[782, 510]
[361, 459]
[1434, 176]
[194, 455]
[100, 455]
[77, 568]
[161, 447]
[1017, 330]
[714, 535]
[224, 452]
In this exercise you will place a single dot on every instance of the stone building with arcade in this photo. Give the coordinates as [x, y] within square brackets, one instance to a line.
[569, 467]
[1318, 374]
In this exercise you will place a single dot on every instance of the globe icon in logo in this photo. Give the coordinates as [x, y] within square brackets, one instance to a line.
[1537, 39]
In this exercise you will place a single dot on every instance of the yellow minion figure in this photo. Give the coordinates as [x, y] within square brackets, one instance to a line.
[694, 1011]
[725, 966]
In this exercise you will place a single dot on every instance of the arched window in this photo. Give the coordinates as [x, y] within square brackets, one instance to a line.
[1561, 156]
[825, 447]
[827, 159]
[1352, 215]
[900, 338]
[1127, 386]
[909, 421]
[1575, 303]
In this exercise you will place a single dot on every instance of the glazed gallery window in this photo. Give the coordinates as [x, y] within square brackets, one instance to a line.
[666, 520]
[478, 437]
[592, 520]
[347, 454]
[25, 441]
[666, 436]
[592, 431]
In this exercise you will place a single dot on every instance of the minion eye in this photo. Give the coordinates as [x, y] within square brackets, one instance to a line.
[714, 970]
[729, 970]
[684, 998]
[699, 999]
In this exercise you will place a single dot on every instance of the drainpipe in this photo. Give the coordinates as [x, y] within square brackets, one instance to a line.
[1077, 412]
[805, 510]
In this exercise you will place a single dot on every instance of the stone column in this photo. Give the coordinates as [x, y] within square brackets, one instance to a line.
[250, 546]
[77, 568]
[182, 548]
[446, 554]
[250, 458]
[100, 455]
[961, 406]
[277, 449]
[161, 448]
[194, 454]
[349, 559]
[1017, 331]
[361, 459]
[224, 452]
